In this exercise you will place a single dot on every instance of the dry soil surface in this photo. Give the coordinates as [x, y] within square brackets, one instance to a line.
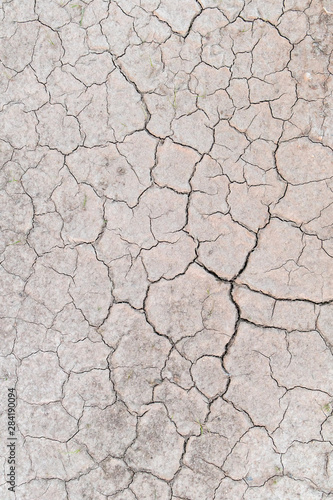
[166, 247]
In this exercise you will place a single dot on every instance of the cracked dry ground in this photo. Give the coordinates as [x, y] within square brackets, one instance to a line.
[166, 252]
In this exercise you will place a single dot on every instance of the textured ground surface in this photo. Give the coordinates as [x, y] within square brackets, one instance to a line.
[166, 255]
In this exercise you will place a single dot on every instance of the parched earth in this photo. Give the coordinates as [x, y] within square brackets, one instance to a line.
[166, 213]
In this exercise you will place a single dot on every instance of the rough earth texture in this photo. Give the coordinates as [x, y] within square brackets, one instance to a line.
[166, 215]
